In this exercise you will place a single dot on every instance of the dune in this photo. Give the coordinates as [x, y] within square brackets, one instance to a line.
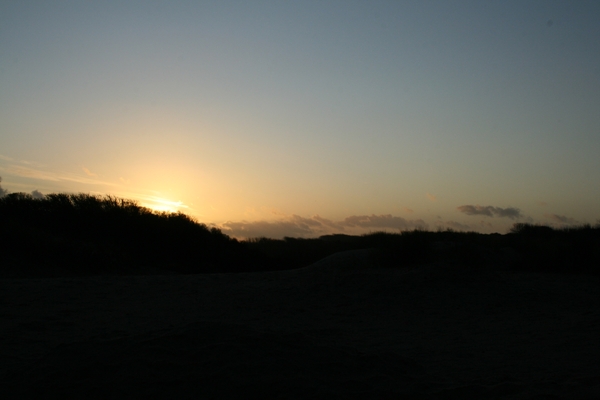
[343, 327]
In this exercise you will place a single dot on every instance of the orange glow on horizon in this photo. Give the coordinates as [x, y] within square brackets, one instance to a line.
[163, 205]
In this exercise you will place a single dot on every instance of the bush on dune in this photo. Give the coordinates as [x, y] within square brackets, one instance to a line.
[417, 247]
[85, 234]
[574, 249]
[528, 247]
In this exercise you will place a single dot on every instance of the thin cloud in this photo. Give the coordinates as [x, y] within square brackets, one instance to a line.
[297, 226]
[52, 176]
[490, 211]
[457, 226]
[542, 204]
[561, 219]
[328, 223]
[288, 225]
[431, 197]
[509, 212]
[12, 160]
[88, 172]
[383, 221]
[408, 210]
[277, 230]
[32, 173]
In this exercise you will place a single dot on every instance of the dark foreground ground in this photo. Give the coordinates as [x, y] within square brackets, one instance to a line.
[341, 328]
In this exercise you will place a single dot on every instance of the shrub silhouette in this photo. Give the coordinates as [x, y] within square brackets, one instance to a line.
[566, 250]
[527, 247]
[86, 234]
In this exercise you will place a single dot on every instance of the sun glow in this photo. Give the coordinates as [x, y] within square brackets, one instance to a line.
[163, 205]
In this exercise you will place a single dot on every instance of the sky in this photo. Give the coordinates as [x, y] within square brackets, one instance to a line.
[304, 118]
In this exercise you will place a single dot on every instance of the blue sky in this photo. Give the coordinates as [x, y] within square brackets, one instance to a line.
[273, 118]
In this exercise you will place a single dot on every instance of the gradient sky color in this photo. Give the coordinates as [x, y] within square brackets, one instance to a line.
[284, 118]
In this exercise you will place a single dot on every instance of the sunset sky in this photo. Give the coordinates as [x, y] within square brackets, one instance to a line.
[303, 118]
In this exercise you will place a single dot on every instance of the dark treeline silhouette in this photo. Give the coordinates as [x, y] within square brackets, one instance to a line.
[569, 249]
[85, 234]
[407, 248]
[527, 247]
[81, 234]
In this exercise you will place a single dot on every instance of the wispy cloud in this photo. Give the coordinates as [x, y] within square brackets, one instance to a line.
[485, 224]
[297, 226]
[561, 219]
[431, 197]
[383, 221]
[542, 204]
[490, 211]
[88, 172]
[32, 173]
[25, 162]
[454, 225]
[329, 223]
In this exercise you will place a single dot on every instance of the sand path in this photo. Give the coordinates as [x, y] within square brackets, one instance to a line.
[340, 328]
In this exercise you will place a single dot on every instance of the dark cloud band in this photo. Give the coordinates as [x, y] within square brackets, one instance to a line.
[561, 219]
[296, 226]
[491, 211]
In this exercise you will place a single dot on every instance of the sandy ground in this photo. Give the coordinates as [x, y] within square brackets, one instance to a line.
[341, 328]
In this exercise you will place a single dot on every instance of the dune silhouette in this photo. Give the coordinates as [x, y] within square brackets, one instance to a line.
[81, 234]
[435, 331]
[145, 304]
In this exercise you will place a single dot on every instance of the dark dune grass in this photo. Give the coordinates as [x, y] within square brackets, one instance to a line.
[82, 234]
